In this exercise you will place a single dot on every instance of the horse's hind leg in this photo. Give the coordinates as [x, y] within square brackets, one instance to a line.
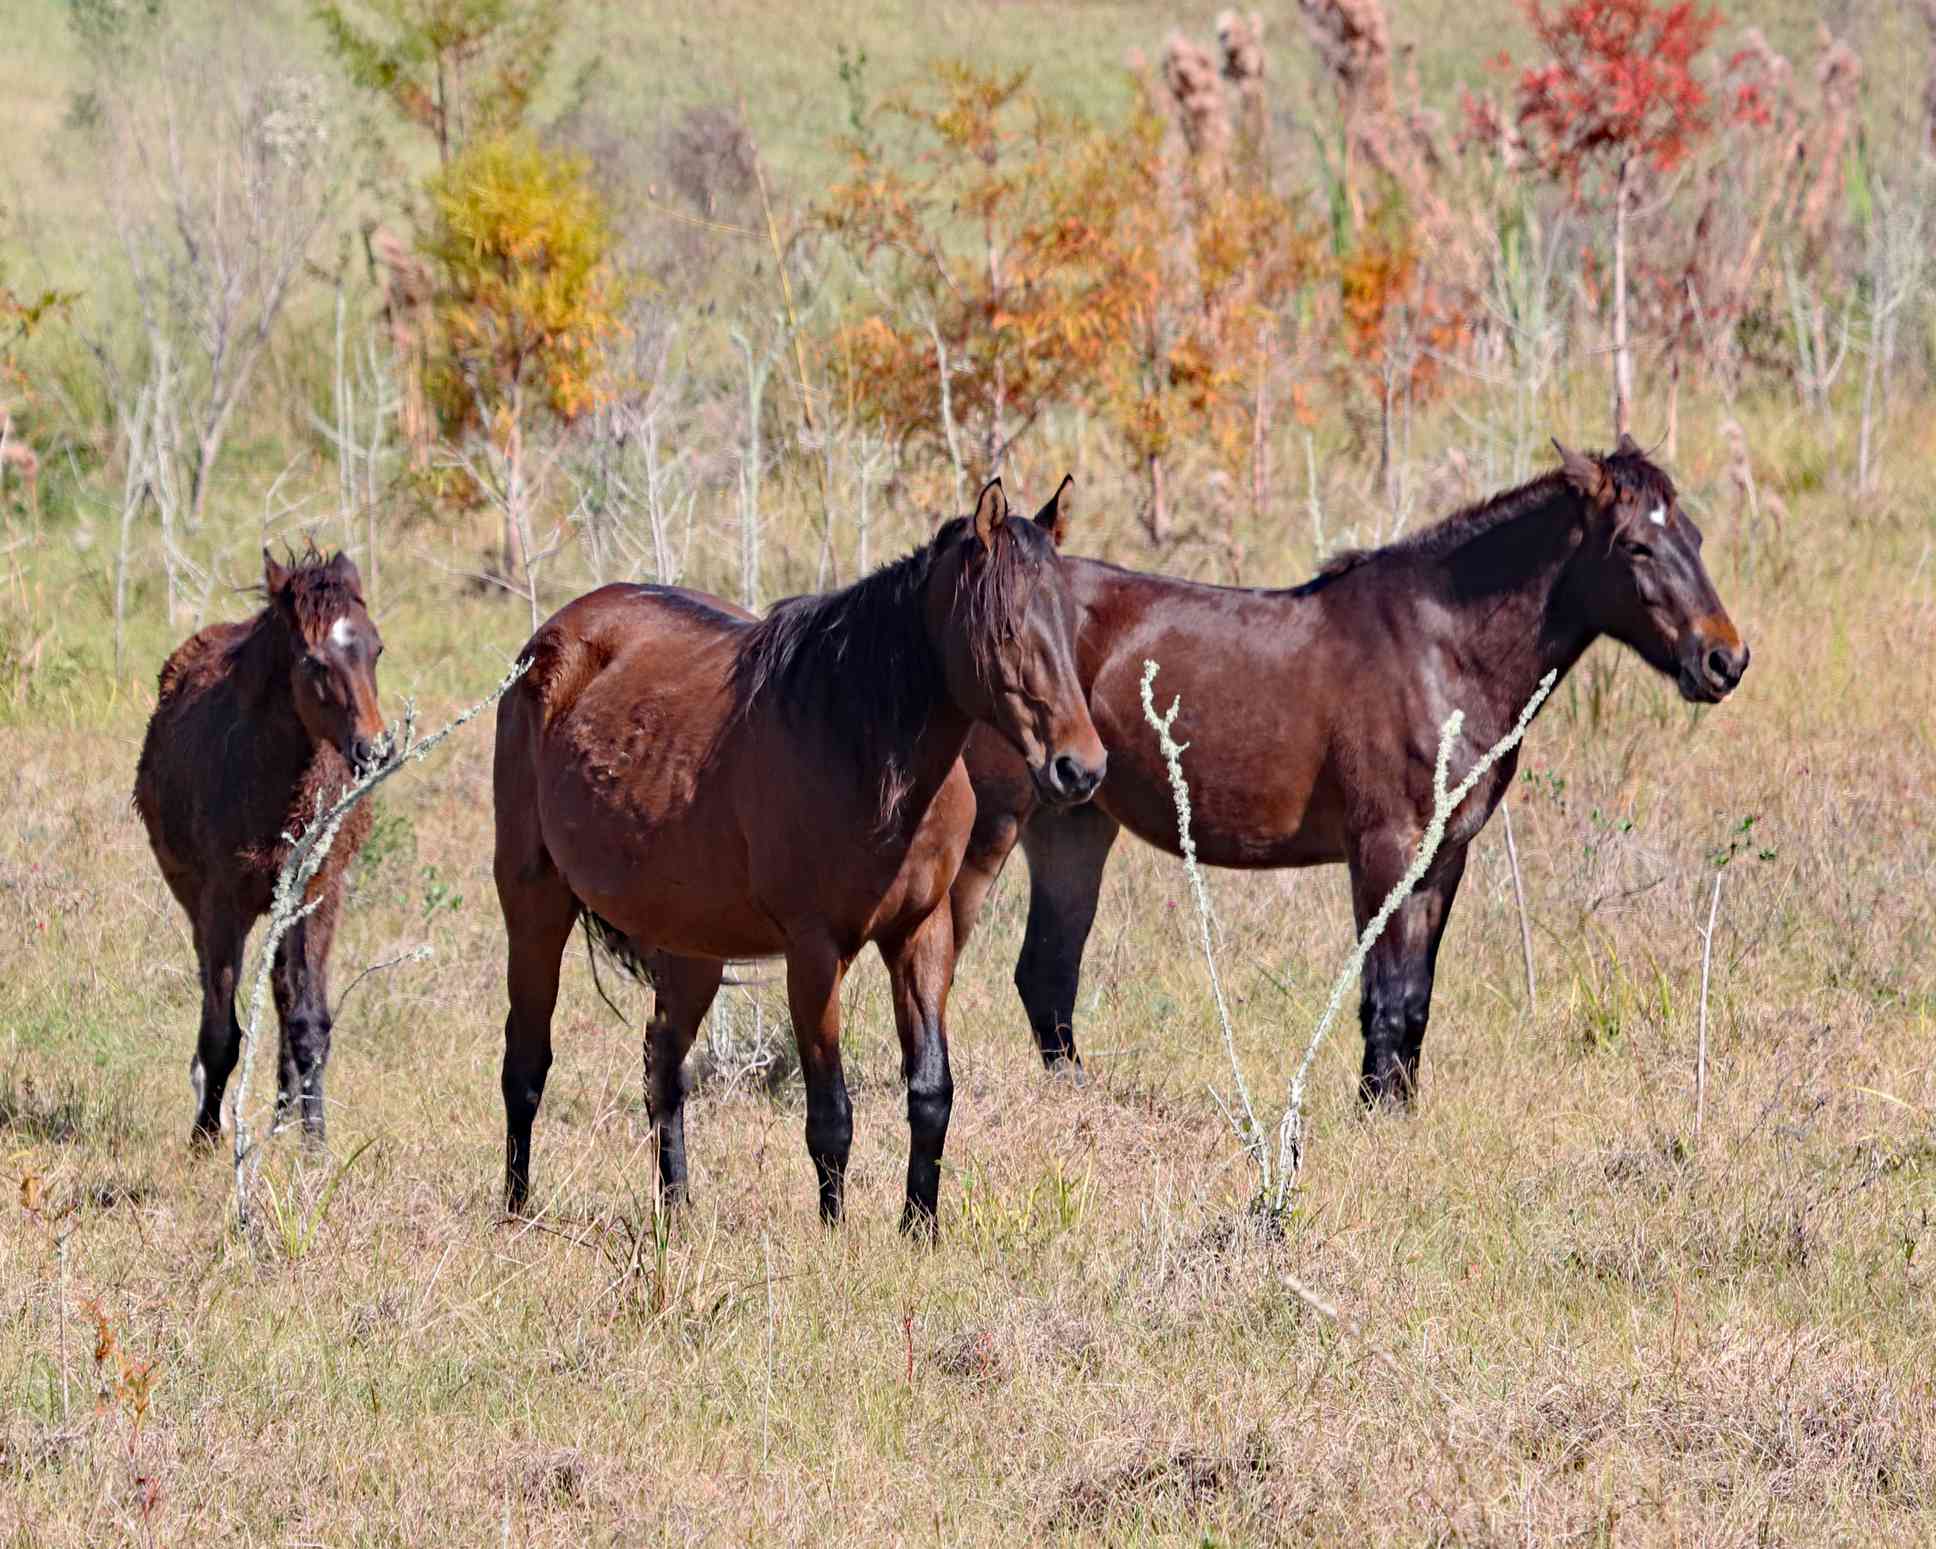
[219, 936]
[1396, 1000]
[683, 991]
[539, 911]
[301, 982]
[1066, 855]
[815, 970]
[921, 970]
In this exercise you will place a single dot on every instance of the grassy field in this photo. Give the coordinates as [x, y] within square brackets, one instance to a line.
[1554, 1315]
[1535, 1311]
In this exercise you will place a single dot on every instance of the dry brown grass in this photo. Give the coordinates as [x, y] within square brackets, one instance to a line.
[1557, 1321]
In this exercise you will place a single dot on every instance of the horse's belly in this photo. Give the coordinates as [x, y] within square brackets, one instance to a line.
[1240, 817]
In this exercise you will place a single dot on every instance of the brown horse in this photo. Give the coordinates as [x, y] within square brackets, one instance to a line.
[1313, 714]
[256, 721]
[702, 786]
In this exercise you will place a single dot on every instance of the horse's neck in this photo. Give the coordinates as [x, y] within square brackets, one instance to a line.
[1511, 586]
[261, 686]
[928, 758]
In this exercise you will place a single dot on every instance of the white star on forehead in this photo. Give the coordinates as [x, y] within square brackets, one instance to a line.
[341, 633]
[1658, 516]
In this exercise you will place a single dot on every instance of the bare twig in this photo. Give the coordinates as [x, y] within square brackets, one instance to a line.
[1445, 802]
[1700, 1047]
[1519, 897]
[1250, 1133]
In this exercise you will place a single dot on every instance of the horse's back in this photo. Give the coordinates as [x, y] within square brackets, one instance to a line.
[622, 628]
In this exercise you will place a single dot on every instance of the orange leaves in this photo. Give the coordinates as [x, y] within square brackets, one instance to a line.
[1040, 259]
[972, 268]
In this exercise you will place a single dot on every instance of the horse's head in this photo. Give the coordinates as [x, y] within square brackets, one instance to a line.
[333, 650]
[1003, 619]
[1643, 581]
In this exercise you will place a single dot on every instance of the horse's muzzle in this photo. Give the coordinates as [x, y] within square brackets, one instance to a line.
[1710, 672]
[1066, 781]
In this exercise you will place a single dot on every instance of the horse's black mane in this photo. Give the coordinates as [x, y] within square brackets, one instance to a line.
[1632, 474]
[858, 664]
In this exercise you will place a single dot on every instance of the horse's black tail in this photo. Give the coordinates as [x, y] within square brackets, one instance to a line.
[604, 939]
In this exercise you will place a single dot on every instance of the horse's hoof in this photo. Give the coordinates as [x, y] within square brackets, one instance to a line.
[1387, 1093]
[1067, 1067]
[202, 1139]
[918, 1224]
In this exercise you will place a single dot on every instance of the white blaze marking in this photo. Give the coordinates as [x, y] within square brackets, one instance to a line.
[1658, 516]
[341, 634]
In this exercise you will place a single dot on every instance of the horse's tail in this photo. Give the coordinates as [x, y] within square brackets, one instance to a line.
[606, 940]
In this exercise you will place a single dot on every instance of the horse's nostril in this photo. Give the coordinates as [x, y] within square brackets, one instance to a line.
[1068, 774]
[1721, 667]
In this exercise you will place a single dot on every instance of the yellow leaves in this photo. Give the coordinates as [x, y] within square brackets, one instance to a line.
[530, 295]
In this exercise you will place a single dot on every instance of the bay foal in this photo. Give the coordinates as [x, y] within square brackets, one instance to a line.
[254, 723]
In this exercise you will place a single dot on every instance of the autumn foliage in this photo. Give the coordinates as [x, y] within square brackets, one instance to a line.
[1618, 83]
[529, 297]
[976, 321]
[1035, 259]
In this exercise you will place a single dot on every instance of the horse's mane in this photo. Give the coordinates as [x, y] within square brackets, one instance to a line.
[319, 592]
[1631, 472]
[858, 663]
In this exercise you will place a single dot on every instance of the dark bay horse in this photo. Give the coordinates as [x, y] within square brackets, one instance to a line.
[703, 786]
[1313, 715]
[254, 722]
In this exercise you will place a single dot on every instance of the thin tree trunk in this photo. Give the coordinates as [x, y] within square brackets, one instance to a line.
[1622, 359]
[1158, 520]
[948, 429]
[1260, 430]
[1674, 408]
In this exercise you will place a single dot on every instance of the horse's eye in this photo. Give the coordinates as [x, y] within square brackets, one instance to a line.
[1636, 550]
[315, 666]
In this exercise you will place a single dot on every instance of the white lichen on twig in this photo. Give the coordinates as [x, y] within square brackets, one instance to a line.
[1277, 1174]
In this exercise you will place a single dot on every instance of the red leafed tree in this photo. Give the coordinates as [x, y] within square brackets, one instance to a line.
[1616, 99]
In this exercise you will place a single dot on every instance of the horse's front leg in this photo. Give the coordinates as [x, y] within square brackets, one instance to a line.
[1067, 852]
[815, 970]
[1396, 994]
[921, 968]
[220, 931]
[301, 982]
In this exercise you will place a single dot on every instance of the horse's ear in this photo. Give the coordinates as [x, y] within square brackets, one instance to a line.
[1053, 518]
[275, 575]
[991, 510]
[1585, 474]
[1628, 447]
[344, 569]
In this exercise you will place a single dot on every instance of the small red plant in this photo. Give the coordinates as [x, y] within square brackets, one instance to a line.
[1617, 94]
[1618, 85]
